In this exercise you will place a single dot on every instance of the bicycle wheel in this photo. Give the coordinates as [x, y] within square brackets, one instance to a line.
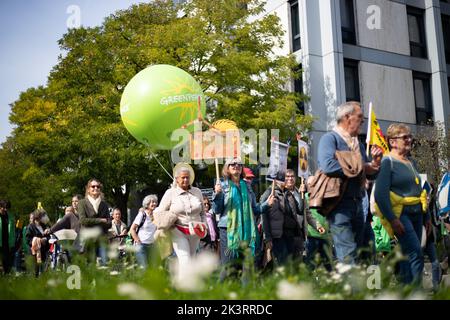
[48, 263]
[63, 262]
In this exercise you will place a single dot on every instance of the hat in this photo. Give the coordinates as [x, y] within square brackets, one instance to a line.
[248, 173]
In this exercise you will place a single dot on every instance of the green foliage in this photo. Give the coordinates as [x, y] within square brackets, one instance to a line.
[432, 151]
[71, 130]
[156, 283]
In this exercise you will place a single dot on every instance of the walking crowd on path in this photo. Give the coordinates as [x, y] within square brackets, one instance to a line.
[359, 208]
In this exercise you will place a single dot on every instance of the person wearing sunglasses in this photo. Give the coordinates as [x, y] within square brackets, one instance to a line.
[233, 202]
[94, 213]
[401, 201]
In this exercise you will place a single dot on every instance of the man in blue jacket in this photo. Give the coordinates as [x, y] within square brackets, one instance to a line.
[347, 218]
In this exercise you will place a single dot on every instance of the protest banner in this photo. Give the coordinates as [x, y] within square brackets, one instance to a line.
[303, 158]
[278, 161]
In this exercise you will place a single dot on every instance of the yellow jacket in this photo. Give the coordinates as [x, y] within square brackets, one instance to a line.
[398, 202]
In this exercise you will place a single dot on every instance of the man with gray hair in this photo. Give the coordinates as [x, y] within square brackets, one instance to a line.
[347, 218]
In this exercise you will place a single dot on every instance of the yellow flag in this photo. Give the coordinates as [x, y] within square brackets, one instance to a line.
[374, 134]
[19, 224]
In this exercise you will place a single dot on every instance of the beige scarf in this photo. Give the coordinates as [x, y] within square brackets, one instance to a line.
[352, 142]
[95, 202]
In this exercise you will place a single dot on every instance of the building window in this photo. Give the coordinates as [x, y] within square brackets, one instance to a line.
[448, 84]
[351, 80]
[416, 32]
[422, 97]
[446, 33]
[298, 88]
[295, 25]
[348, 22]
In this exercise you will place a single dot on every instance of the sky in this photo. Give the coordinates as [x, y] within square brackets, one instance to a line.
[29, 34]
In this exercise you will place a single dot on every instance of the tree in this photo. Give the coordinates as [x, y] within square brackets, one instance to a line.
[432, 151]
[71, 129]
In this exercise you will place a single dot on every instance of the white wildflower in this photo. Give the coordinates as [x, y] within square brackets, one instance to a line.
[114, 273]
[113, 251]
[52, 282]
[190, 276]
[133, 291]
[232, 295]
[337, 277]
[90, 233]
[280, 270]
[291, 291]
[335, 296]
[388, 296]
[347, 288]
[343, 268]
[102, 267]
[417, 296]
[131, 249]
[132, 266]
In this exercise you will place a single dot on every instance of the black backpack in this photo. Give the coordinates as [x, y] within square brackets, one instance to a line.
[144, 216]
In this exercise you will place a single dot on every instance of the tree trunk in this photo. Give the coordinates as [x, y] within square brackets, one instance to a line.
[121, 200]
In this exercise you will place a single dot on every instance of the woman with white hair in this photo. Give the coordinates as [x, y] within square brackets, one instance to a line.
[186, 202]
[143, 230]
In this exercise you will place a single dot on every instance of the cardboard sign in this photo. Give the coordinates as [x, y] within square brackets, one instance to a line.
[278, 161]
[213, 145]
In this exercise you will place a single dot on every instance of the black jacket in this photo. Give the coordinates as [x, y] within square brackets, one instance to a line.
[89, 218]
[281, 219]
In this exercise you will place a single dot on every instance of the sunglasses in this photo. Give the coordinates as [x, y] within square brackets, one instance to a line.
[405, 137]
[235, 164]
[96, 186]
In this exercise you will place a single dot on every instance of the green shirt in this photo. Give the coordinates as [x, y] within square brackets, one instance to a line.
[12, 231]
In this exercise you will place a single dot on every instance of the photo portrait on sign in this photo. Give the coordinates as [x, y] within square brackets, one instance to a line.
[303, 166]
[278, 161]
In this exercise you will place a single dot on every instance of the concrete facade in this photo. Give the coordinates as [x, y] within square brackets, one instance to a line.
[381, 52]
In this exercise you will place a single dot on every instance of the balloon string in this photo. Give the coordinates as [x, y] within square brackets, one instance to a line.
[154, 156]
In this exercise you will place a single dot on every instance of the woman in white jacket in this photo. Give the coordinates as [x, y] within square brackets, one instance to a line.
[186, 202]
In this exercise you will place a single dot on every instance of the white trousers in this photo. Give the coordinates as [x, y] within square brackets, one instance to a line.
[185, 247]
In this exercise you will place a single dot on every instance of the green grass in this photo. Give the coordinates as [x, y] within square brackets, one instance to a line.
[291, 281]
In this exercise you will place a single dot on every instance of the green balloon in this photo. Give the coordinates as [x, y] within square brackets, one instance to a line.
[159, 100]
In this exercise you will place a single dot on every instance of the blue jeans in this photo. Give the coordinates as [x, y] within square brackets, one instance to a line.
[224, 259]
[143, 254]
[368, 243]
[347, 228]
[411, 270]
[430, 251]
[231, 266]
[101, 253]
[320, 246]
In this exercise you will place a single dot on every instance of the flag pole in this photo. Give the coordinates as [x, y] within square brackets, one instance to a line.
[369, 129]
[217, 171]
